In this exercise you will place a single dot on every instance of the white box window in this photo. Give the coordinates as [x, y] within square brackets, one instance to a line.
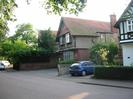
[129, 25]
[67, 38]
[122, 37]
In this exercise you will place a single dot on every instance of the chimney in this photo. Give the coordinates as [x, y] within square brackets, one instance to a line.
[112, 23]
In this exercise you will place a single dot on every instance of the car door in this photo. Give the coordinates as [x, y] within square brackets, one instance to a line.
[90, 67]
[85, 66]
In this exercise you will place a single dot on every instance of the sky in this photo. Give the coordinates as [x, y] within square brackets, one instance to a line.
[37, 16]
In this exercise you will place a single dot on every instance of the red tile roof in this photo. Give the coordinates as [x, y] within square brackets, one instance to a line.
[85, 27]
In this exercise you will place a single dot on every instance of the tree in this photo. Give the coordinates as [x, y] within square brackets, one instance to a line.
[8, 48]
[46, 41]
[6, 14]
[25, 32]
[113, 51]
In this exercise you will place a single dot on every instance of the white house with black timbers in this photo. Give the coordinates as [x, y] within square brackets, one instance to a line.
[125, 26]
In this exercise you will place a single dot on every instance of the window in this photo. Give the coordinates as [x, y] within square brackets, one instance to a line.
[61, 40]
[121, 28]
[122, 37]
[68, 55]
[85, 64]
[125, 27]
[101, 36]
[67, 38]
[129, 25]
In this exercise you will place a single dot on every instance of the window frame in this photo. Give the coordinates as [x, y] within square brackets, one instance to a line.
[67, 37]
[130, 25]
[61, 40]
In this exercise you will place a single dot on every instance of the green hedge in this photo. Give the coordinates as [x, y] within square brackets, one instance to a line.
[31, 57]
[120, 73]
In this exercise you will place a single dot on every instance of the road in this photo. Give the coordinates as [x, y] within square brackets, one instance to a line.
[20, 85]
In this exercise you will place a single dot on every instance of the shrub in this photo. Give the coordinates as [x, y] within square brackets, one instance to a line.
[102, 53]
[29, 56]
[119, 73]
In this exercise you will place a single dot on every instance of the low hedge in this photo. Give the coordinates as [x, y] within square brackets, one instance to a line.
[33, 57]
[119, 73]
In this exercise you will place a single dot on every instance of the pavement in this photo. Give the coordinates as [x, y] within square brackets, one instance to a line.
[53, 74]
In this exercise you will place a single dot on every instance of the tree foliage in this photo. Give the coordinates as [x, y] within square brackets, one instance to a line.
[9, 48]
[46, 40]
[23, 40]
[102, 53]
[59, 6]
[25, 32]
[6, 14]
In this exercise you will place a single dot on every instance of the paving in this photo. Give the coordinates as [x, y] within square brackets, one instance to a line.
[53, 74]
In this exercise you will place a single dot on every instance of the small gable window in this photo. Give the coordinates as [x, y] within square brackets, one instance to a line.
[67, 37]
[129, 25]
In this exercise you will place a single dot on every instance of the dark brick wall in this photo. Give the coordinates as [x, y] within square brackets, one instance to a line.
[82, 54]
[52, 63]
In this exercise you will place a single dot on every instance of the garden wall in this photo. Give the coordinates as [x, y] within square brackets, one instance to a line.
[37, 62]
[63, 69]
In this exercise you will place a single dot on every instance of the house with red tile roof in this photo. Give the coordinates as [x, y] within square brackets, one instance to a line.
[76, 36]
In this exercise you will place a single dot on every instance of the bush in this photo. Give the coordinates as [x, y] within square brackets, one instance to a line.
[30, 56]
[119, 73]
[104, 53]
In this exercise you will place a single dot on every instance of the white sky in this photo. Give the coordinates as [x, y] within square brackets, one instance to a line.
[36, 15]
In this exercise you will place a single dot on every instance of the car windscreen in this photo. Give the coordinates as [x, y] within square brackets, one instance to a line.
[75, 67]
[87, 64]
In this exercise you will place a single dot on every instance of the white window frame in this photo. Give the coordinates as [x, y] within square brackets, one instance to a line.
[101, 36]
[125, 27]
[131, 25]
[121, 28]
[67, 37]
[122, 37]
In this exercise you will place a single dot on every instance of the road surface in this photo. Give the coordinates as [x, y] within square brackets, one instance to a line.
[16, 85]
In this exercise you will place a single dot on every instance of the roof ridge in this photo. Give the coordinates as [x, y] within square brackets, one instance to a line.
[85, 19]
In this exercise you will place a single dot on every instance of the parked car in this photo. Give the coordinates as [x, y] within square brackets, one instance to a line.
[4, 64]
[2, 67]
[82, 68]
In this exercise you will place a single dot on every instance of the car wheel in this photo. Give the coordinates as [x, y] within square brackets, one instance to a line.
[83, 73]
